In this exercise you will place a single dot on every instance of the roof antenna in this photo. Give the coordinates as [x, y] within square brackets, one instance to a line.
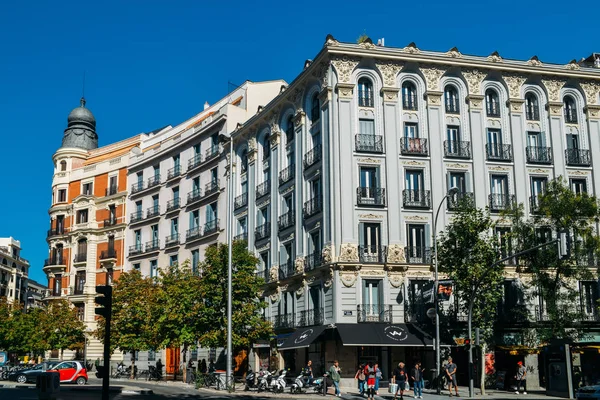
[82, 101]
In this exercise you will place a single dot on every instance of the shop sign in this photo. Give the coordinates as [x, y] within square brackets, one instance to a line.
[261, 344]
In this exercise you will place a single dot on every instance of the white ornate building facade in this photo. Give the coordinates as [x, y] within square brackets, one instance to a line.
[14, 271]
[339, 176]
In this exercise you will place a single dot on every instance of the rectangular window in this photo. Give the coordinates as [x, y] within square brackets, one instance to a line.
[214, 174]
[197, 149]
[155, 201]
[174, 226]
[156, 171]
[112, 184]
[82, 216]
[151, 355]
[137, 234]
[368, 177]
[263, 216]
[572, 142]
[538, 185]
[138, 207]
[457, 180]
[176, 161]
[196, 184]
[411, 130]
[499, 185]
[195, 261]
[194, 219]
[80, 307]
[243, 225]
[79, 282]
[589, 297]
[154, 230]
[173, 260]
[414, 180]
[88, 189]
[453, 134]
[62, 195]
[136, 266]
[372, 299]
[366, 126]
[578, 186]
[112, 214]
[57, 285]
[264, 260]
[140, 178]
[503, 236]
[153, 268]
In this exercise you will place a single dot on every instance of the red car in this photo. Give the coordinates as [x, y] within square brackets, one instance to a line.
[71, 372]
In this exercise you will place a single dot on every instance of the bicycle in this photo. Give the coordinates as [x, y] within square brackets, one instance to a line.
[144, 373]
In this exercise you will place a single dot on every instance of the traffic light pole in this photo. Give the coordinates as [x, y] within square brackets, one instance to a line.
[106, 377]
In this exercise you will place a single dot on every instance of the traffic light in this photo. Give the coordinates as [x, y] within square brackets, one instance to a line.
[564, 245]
[105, 301]
[467, 344]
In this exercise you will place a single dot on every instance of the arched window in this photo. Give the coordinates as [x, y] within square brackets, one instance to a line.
[492, 103]
[63, 165]
[315, 110]
[409, 96]
[570, 110]
[289, 129]
[532, 107]
[451, 100]
[365, 92]
[244, 160]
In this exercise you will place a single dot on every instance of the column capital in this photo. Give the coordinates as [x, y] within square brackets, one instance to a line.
[593, 111]
[299, 118]
[345, 90]
[516, 105]
[555, 108]
[434, 98]
[325, 95]
[390, 94]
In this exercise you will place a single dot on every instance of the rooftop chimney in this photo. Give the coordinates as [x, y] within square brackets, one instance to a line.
[206, 105]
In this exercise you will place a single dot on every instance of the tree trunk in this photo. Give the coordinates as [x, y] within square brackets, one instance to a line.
[132, 374]
[185, 363]
[470, 336]
[482, 368]
[62, 351]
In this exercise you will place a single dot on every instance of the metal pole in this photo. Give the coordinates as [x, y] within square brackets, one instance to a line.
[106, 376]
[471, 384]
[229, 371]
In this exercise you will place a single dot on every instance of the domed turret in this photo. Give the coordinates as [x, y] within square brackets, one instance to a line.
[81, 129]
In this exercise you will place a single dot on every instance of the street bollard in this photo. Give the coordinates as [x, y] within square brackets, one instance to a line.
[48, 385]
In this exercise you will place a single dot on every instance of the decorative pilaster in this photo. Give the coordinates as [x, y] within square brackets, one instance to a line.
[345, 90]
[434, 98]
[252, 150]
[390, 94]
[593, 111]
[299, 118]
[275, 136]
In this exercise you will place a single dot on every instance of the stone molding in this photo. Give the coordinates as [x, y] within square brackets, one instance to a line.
[299, 118]
[514, 81]
[516, 105]
[390, 94]
[475, 101]
[591, 89]
[327, 254]
[555, 108]
[299, 263]
[593, 111]
[434, 97]
[345, 90]
[553, 86]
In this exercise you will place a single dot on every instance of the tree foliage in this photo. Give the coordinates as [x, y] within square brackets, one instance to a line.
[553, 278]
[62, 328]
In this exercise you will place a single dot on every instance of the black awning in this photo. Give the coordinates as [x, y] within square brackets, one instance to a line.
[302, 337]
[375, 334]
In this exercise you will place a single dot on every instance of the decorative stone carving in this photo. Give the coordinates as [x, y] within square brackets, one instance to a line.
[274, 273]
[348, 278]
[344, 67]
[553, 86]
[434, 98]
[416, 218]
[367, 44]
[389, 71]
[457, 166]
[299, 265]
[299, 117]
[499, 169]
[454, 53]
[538, 171]
[573, 66]
[328, 279]
[516, 105]
[369, 160]
[252, 144]
[369, 216]
[555, 108]
[326, 254]
[475, 101]
[417, 274]
[322, 73]
[579, 173]
[395, 279]
[345, 90]
[495, 57]
[534, 61]
[373, 272]
[432, 75]
[591, 89]
[593, 111]
[474, 78]
[296, 96]
[275, 136]
[348, 253]
[395, 254]
[390, 94]
[415, 163]
[331, 41]
[275, 296]
[514, 83]
[411, 48]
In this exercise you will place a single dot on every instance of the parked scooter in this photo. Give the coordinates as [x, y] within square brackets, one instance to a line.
[301, 385]
[279, 384]
[251, 382]
[264, 380]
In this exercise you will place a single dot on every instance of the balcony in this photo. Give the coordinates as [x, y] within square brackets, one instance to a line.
[263, 189]
[313, 261]
[310, 317]
[374, 313]
[80, 258]
[79, 286]
[417, 255]
[194, 196]
[284, 321]
[172, 240]
[369, 143]
[174, 172]
[211, 227]
[585, 258]
[111, 190]
[193, 234]
[194, 162]
[240, 201]
[515, 315]
[312, 207]
[56, 231]
[410, 101]
[211, 153]
[578, 157]
[173, 204]
[498, 152]
[241, 237]
[154, 181]
[371, 254]
[459, 200]
[153, 211]
[416, 198]
[457, 149]
[211, 187]
[136, 216]
[262, 231]
[414, 146]
[534, 204]
[287, 220]
[287, 174]
[538, 155]
[370, 196]
[416, 312]
[287, 270]
[54, 261]
[137, 187]
[312, 157]
[500, 202]
[493, 109]
[108, 254]
[532, 113]
[265, 274]
[570, 115]
[110, 221]
[135, 249]
[152, 245]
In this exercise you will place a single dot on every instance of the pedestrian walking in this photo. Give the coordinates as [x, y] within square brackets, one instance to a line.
[416, 376]
[360, 377]
[521, 377]
[399, 378]
[370, 375]
[451, 375]
[378, 376]
[334, 373]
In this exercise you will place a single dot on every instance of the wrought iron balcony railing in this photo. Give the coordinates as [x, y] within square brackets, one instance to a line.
[154, 180]
[499, 152]
[56, 231]
[500, 202]
[414, 146]
[369, 143]
[263, 189]
[287, 220]
[194, 196]
[242, 236]
[108, 254]
[578, 157]
[417, 254]
[310, 317]
[110, 221]
[538, 155]
[153, 211]
[211, 153]
[460, 199]
[313, 260]
[416, 198]
[172, 240]
[534, 204]
[136, 216]
[284, 321]
[152, 245]
[265, 274]
[173, 204]
[193, 233]
[312, 156]
[262, 231]
[54, 261]
[174, 172]
[194, 161]
[457, 149]
[241, 201]
[211, 227]
[374, 313]
[80, 257]
[135, 249]
[370, 196]
[371, 254]
[137, 187]
[211, 187]
[287, 270]
[312, 207]
[111, 190]
[287, 174]
[532, 113]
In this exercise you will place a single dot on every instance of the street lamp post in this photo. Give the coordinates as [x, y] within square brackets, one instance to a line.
[451, 192]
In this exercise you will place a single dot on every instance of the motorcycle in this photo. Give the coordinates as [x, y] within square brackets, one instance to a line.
[301, 384]
[264, 380]
[279, 383]
[250, 380]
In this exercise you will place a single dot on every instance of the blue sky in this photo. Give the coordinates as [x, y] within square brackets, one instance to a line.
[152, 63]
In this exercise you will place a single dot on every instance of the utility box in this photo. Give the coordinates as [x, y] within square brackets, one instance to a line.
[48, 385]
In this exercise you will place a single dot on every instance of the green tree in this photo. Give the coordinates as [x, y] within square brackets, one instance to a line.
[7, 332]
[135, 310]
[180, 297]
[468, 253]
[247, 323]
[62, 328]
[553, 278]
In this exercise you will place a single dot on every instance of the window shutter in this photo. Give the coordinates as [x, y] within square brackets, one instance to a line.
[428, 237]
[361, 233]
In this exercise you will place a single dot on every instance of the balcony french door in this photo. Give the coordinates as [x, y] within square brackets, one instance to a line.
[495, 143]
[499, 185]
[538, 186]
[369, 181]
[372, 298]
[417, 246]
[138, 239]
[370, 239]
[458, 180]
